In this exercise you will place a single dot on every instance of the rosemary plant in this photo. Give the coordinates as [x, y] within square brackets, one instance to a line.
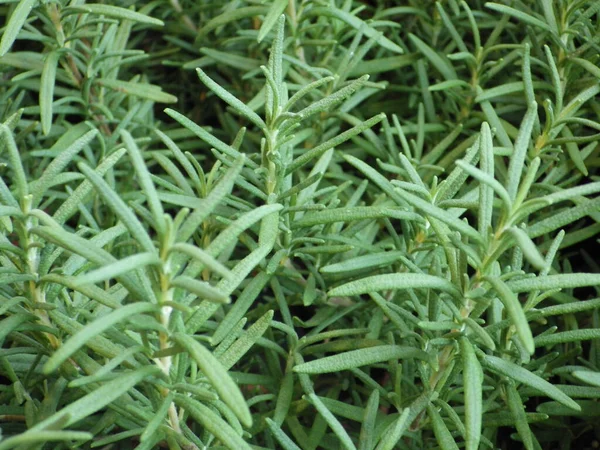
[358, 225]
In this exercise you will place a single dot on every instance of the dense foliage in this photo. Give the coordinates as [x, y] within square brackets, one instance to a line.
[358, 225]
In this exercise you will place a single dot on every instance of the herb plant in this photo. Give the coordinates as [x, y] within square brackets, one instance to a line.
[358, 225]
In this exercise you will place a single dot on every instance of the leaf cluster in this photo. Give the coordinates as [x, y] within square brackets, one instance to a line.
[358, 225]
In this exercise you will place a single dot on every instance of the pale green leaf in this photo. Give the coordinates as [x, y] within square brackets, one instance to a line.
[587, 376]
[551, 282]
[245, 342]
[217, 375]
[47, 84]
[277, 8]
[361, 357]
[529, 249]
[368, 261]
[515, 403]
[440, 63]
[15, 23]
[124, 213]
[356, 23]
[281, 437]
[522, 375]
[145, 180]
[58, 164]
[118, 268]
[82, 192]
[472, 382]
[33, 439]
[515, 312]
[332, 421]
[201, 289]
[243, 302]
[395, 281]
[240, 107]
[442, 434]
[93, 329]
[394, 432]
[137, 89]
[367, 430]
[99, 398]
[115, 12]
[520, 15]
[355, 213]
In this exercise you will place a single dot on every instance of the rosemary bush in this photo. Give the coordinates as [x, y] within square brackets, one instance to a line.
[358, 225]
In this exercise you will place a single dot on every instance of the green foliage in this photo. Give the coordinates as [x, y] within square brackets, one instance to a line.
[357, 226]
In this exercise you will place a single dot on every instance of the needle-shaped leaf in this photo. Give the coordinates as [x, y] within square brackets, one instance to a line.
[9, 324]
[240, 107]
[47, 84]
[589, 408]
[517, 160]
[232, 15]
[205, 135]
[137, 89]
[472, 382]
[93, 329]
[587, 376]
[367, 430]
[245, 342]
[15, 23]
[20, 179]
[201, 256]
[334, 99]
[440, 63]
[277, 8]
[368, 261]
[307, 89]
[75, 244]
[145, 180]
[33, 439]
[394, 432]
[442, 434]
[522, 375]
[213, 423]
[81, 193]
[515, 404]
[333, 142]
[58, 164]
[529, 249]
[281, 437]
[118, 268]
[585, 334]
[124, 213]
[358, 24]
[91, 291]
[403, 197]
[201, 289]
[332, 421]
[362, 357]
[241, 306]
[551, 282]
[487, 181]
[217, 375]
[395, 281]
[115, 12]
[158, 418]
[99, 398]
[217, 194]
[520, 15]
[355, 213]
[236, 228]
[486, 195]
[515, 312]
